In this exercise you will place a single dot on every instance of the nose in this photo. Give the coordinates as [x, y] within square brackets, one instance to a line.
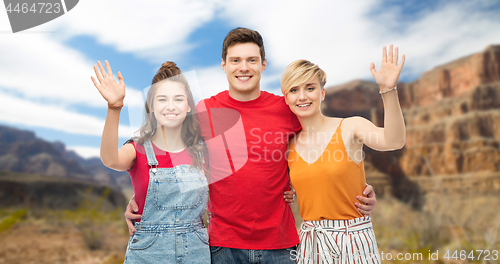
[302, 95]
[169, 105]
[244, 66]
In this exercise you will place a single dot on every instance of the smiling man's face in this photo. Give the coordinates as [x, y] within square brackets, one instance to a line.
[243, 68]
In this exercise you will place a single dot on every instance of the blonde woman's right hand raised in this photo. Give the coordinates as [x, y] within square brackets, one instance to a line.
[113, 92]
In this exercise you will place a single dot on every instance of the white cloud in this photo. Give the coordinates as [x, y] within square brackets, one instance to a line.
[20, 111]
[150, 29]
[270, 82]
[212, 81]
[344, 37]
[42, 69]
[85, 152]
[454, 30]
[36, 66]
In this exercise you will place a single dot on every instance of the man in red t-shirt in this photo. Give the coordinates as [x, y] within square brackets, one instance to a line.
[246, 131]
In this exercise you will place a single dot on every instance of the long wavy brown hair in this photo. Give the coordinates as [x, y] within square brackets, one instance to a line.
[190, 132]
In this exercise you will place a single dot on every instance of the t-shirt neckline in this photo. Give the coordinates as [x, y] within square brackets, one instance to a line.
[250, 103]
[169, 152]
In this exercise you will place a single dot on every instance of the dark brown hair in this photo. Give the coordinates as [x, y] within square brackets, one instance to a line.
[190, 128]
[243, 35]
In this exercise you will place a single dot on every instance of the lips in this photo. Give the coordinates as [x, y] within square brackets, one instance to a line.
[170, 116]
[243, 77]
[304, 106]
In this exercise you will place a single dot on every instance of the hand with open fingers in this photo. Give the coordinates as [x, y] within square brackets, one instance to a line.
[366, 204]
[131, 215]
[113, 92]
[388, 74]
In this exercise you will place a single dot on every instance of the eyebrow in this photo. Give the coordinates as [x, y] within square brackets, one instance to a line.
[252, 57]
[178, 95]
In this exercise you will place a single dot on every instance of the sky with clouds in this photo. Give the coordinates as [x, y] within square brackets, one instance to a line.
[45, 71]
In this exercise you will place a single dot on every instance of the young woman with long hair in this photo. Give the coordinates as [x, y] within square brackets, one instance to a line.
[166, 165]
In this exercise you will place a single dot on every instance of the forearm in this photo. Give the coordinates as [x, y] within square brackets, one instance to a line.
[394, 125]
[109, 140]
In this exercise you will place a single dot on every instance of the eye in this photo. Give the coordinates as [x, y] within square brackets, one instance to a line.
[234, 61]
[179, 100]
[293, 90]
[310, 88]
[162, 100]
[252, 60]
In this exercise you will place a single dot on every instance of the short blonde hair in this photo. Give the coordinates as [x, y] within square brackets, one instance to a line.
[299, 72]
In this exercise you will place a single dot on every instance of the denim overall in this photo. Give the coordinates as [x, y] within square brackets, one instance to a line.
[171, 229]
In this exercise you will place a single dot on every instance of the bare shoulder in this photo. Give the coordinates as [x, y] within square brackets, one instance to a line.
[128, 151]
[358, 126]
[128, 147]
[355, 121]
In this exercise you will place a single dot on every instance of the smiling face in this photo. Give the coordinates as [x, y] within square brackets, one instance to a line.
[243, 68]
[170, 104]
[305, 100]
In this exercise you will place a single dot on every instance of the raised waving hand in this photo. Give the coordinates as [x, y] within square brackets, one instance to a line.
[113, 92]
[388, 74]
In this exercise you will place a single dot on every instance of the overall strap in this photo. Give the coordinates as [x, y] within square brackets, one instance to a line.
[150, 154]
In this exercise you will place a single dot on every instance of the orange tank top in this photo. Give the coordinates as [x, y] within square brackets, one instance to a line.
[327, 188]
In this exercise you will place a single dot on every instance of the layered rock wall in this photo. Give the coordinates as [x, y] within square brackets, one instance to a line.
[453, 79]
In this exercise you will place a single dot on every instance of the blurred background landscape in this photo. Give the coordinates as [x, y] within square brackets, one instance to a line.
[59, 204]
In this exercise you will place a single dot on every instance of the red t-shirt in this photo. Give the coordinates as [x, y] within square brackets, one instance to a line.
[247, 143]
[139, 173]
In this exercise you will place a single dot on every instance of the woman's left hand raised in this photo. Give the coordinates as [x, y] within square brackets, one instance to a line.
[388, 74]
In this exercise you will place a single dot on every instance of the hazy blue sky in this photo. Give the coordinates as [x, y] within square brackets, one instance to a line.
[45, 71]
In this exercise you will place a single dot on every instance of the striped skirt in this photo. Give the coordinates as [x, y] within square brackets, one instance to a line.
[338, 241]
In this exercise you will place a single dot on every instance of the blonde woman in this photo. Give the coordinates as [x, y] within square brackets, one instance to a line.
[326, 162]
